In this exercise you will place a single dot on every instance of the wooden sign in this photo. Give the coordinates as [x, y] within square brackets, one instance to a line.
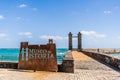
[38, 57]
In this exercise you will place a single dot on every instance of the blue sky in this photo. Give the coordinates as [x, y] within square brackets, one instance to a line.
[37, 20]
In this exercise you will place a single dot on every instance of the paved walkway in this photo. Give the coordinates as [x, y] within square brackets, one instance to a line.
[86, 68]
[83, 61]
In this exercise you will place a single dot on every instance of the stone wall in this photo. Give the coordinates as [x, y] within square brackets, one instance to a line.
[103, 50]
[12, 65]
[105, 58]
[67, 64]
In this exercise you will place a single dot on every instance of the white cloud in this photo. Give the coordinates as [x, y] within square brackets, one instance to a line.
[25, 33]
[2, 17]
[51, 37]
[35, 9]
[107, 12]
[18, 18]
[22, 5]
[3, 35]
[117, 7]
[118, 37]
[66, 38]
[88, 32]
[93, 39]
[29, 36]
[92, 33]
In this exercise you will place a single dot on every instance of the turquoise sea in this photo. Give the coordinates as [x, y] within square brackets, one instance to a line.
[10, 54]
[115, 55]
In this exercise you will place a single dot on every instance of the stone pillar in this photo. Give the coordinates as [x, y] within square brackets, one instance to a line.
[70, 40]
[68, 63]
[79, 41]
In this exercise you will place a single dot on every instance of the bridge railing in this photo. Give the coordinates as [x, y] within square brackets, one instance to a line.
[113, 61]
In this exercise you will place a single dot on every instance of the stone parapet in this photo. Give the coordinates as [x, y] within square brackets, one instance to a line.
[12, 65]
[68, 63]
[103, 50]
[113, 61]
